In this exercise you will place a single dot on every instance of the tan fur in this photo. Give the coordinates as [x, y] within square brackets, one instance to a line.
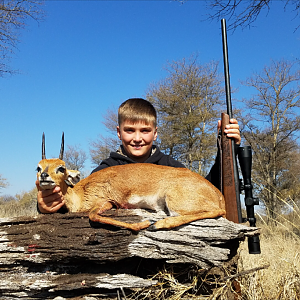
[184, 195]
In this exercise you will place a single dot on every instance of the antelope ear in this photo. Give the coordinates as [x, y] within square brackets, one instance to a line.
[73, 177]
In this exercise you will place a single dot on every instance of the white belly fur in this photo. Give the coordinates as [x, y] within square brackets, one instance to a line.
[154, 202]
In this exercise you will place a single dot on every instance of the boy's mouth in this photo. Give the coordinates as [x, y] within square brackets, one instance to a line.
[137, 147]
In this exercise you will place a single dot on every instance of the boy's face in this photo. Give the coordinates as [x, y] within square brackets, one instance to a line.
[137, 139]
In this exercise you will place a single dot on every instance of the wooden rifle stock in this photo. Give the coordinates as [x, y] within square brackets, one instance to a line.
[230, 177]
[229, 189]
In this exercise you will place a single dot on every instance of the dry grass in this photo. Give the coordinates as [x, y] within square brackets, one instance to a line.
[16, 209]
[280, 249]
[21, 205]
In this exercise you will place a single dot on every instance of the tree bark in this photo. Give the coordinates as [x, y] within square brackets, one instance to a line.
[66, 255]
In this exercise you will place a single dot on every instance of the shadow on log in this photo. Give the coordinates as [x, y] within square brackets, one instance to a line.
[64, 255]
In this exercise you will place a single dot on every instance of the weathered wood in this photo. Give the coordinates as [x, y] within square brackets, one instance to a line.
[52, 255]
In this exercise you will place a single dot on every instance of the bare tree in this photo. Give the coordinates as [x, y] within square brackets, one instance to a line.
[188, 106]
[7, 198]
[13, 16]
[3, 182]
[241, 13]
[271, 129]
[290, 192]
[74, 158]
[111, 120]
[101, 148]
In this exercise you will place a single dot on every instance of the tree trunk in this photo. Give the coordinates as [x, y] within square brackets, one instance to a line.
[66, 255]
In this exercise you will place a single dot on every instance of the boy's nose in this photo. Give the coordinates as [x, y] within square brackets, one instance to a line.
[137, 137]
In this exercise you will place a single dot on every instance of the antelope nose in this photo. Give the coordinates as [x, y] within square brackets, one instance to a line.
[44, 175]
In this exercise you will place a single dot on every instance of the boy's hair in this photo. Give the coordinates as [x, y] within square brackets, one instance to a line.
[135, 110]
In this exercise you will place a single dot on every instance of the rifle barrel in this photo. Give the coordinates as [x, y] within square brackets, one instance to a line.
[226, 69]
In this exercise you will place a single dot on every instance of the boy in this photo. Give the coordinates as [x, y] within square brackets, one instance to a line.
[137, 131]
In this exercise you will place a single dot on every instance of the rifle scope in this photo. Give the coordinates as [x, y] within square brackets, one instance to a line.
[245, 160]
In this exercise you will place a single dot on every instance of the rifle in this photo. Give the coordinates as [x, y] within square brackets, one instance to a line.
[230, 177]
[231, 188]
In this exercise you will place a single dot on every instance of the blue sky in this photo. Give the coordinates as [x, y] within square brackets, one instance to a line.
[88, 56]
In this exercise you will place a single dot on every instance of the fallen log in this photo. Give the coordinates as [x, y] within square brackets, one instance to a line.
[65, 255]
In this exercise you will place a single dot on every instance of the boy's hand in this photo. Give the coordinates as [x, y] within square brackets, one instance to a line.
[232, 130]
[49, 201]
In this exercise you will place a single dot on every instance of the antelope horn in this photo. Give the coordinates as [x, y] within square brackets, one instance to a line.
[61, 155]
[43, 147]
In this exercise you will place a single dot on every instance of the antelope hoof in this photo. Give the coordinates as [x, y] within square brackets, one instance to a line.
[152, 227]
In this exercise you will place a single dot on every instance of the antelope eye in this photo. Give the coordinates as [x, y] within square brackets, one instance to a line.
[61, 170]
[38, 169]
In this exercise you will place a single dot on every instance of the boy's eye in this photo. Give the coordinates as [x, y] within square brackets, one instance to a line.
[146, 130]
[128, 130]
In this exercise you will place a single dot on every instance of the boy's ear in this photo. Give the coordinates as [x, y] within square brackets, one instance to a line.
[119, 132]
[155, 134]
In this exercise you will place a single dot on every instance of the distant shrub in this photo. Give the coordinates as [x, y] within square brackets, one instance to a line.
[20, 205]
